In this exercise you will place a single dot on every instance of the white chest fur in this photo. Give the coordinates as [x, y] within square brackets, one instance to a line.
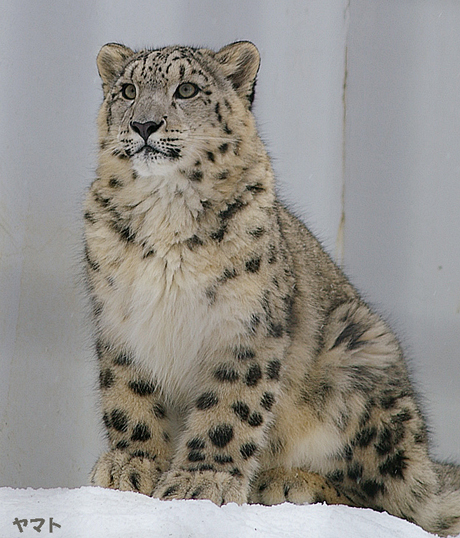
[167, 325]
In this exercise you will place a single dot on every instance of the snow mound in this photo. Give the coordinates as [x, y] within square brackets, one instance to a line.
[91, 512]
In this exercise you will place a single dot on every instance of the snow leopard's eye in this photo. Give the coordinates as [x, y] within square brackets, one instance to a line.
[186, 90]
[128, 91]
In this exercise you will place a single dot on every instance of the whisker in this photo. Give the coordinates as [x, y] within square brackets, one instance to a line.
[212, 138]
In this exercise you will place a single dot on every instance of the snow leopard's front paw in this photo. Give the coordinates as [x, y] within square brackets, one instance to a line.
[219, 487]
[118, 469]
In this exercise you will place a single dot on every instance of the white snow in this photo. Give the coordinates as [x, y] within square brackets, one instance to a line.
[91, 512]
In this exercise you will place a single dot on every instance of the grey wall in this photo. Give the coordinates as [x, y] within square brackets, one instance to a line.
[380, 188]
[402, 192]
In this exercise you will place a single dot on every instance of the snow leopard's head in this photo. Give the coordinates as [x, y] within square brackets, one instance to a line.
[177, 106]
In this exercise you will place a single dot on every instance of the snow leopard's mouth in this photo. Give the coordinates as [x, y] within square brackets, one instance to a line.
[149, 151]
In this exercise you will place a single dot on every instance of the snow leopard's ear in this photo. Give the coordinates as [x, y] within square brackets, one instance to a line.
[110, 62]
[240, 62]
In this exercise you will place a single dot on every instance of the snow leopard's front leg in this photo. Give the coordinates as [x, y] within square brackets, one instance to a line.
[137, 426]
[227, 427]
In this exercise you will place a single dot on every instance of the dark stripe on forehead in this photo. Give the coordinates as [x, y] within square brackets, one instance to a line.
[144, 66]
[131, 66]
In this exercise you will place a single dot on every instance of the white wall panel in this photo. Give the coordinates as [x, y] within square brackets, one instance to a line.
[402, 196]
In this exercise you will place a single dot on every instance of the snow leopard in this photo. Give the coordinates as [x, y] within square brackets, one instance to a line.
[237, 362]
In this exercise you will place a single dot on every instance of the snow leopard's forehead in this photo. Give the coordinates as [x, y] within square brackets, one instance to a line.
[171, 63]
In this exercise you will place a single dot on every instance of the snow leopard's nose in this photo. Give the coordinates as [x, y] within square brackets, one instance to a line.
[145, 129]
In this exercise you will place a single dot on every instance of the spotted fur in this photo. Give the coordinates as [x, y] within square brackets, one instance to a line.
[237, 363]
